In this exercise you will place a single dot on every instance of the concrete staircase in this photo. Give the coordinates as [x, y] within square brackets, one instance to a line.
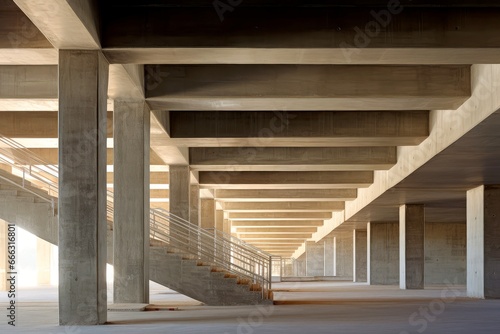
[30, 208]
[202, 281]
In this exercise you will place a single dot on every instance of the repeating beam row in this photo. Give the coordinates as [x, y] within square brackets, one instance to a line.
[277, 195]
[282, 206]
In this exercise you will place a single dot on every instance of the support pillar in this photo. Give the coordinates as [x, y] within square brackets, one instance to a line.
[227, 226]
[194, 204]
[483, 238]
[43, 261]
[360, 253]
[131, 122]
[219, 220]
[343, 253]
[179, 179]
[383, 253]
[411, 246]
[330, 256]
[207, 213]
[83, 88]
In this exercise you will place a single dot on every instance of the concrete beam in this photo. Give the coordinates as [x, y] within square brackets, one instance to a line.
[309, 56]
[296, 128]
[18, 32]
[278, 87]
[276, 230]
[276, 195]
[292, 158]
[278, 223]
[234, 216]
[172, 155]
[348, 34]
[66, 24]
[288, 236]
[285, 180]
[283, 206]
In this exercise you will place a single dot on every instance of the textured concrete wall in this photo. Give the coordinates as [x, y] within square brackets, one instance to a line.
[300, 264]
[383, 253]
[445, 253]
[315, 258]
[411, 246]
[329, 256]
[344, 251]
[359, 256]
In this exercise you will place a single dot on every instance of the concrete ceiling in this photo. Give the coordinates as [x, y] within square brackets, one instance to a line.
[265, 104]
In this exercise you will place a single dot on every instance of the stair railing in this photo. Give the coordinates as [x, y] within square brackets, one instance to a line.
[212, 248]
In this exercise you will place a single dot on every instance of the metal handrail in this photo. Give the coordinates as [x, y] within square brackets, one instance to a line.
[213, 247]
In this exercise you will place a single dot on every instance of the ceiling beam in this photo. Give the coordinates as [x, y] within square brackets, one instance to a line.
[306, 87]
[277, 195]
[278, 223]
[275, 216]
[292, 158]
[285, 180]
[282, 206]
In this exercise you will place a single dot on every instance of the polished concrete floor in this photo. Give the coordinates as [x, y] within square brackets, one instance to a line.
[307, 307]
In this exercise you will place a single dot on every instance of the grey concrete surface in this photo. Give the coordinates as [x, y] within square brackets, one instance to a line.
[315, 258]
[445, 253]
[359, 256]
[131, 201]
[83, 85]
[383, 253]
[344, 254]
[411, 246]
[339, 307]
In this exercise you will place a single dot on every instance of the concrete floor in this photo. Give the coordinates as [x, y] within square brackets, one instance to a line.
[307, 307]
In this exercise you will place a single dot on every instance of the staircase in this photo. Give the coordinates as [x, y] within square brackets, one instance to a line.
[206, 265]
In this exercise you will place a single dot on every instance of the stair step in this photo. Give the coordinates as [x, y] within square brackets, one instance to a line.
[255, 287]
[20, 199]
[8, 192]
[230, 276]
[244, 281]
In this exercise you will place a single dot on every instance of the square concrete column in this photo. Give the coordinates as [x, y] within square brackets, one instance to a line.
[315, 258]
[483, 240]
[359, 256]
[131, 122]
[219, 220]
[329, 256]
[83, 89]
[207, 218]
[383, 253]
[227, 226]
[194, 204]
[179, 187]
[411, 246]
[343, 254]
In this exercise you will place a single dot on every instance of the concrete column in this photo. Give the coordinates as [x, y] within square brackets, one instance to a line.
[343, 253]
[330, 256]
[131, 122]
[3, 255]
[315, 258]
[83, 88]
[411, 246]
[383, 253]
[207, 213]
[194, 204]
[483, 238]
[219, 220]
[179, 191]
[43, 261]
[227, 226]
[300, 266]
[359, 256]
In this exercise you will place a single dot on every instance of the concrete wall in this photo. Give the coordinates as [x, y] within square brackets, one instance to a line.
[329, 256]
[383, 257]
[300, 264]
[344, 252]
[315, 258]
[445, 253]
